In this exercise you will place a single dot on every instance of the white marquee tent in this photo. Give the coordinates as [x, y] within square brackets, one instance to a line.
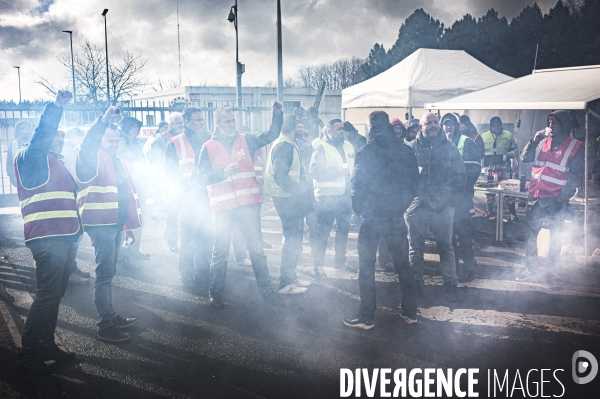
[548, 89]
[427, 75]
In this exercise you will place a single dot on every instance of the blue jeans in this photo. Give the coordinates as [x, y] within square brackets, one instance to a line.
[54, 262]
[327, 212]
[393, 232]
[247, 218]
[292, 224]
[441, 223]
[106, 241]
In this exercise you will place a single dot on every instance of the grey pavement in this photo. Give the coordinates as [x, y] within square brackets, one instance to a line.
[183, 348]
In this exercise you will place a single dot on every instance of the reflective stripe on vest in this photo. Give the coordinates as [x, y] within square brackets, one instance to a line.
[461, 149]
[550, 169]
[502, 142]
[49, 210]
[239, 189]
[333, 159]
[98, 198]
[271, 187]
[185, 153]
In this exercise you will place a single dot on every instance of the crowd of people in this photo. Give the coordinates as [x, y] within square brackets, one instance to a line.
[403, 183]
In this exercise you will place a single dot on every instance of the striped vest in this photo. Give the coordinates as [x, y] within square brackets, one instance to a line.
[97, 198]
[333, 159]
[239, 189]
[185, 153]
[271, 186]
[49, 210]
[551, 168]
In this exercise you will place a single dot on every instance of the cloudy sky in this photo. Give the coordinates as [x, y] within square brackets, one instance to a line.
[314, 31]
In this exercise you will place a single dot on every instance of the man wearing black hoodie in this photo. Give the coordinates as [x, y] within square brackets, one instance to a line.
[441, 184]
[558, 169]
[384, 183]
[463, 230]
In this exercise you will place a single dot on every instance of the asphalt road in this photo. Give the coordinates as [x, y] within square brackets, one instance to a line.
[182, 347]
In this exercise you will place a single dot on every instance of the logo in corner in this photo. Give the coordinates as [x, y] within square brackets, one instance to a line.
[584, 362]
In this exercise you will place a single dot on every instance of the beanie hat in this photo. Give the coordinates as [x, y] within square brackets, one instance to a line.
[349, 127]
[396, 121]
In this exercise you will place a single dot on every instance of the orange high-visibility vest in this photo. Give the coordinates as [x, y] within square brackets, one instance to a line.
[239, 189]
[551, 168]
[185, 153]
[97, 198]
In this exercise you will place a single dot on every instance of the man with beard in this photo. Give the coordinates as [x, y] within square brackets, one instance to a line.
[558, 169]
[180, 170]
[330, 168]
[226, 168]
[384, 182]
[441, 184]
[463, 230]
[412, 129]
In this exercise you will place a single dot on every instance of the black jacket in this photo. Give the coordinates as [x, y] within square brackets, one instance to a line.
[385, 177]
[443, 177]
[471, 160]
[358, 141]
[300, 201]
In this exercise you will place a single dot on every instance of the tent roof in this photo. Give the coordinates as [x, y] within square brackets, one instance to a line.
[425, 76]
[562, 88]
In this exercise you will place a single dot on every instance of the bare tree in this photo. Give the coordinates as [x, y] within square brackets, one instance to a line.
[48, 85]
[337, 75]
[126, 76]
[90, 75]
[165, 84]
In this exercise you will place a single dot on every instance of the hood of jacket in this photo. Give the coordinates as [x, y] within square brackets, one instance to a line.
[565, 118]
[382, 134]
[127, 122]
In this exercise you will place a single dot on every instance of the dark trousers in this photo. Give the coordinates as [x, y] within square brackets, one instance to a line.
[536, 214]
[292, 223]
[195, 248]
[246, 217]
[313, 229]
[106, 241]
[384, 253]
[393, 232]
[327, 212]
[441, 223]
[463, 233]
[54, 262]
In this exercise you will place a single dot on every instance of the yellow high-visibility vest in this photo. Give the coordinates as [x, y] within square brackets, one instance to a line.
[271, 186]
[334, 160]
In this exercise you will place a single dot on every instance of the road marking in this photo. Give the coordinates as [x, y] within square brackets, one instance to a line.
[492, 318]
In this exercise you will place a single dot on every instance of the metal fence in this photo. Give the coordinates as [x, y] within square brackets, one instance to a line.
[256, 118]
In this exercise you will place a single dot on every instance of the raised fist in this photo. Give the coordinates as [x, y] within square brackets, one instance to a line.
[62, 98]
[110, 113]
[277, 108]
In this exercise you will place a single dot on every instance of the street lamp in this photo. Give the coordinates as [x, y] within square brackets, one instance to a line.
[240, 68]
[72, 65]
[19, 73]
[106, 47]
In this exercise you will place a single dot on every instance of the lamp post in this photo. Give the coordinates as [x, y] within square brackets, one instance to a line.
[19, 74]
[70, 32]
[106, 47]
[240, 68]
[279, 56]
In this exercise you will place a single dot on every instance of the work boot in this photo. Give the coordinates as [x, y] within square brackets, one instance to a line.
[124, 322]
[216, 301]
[451, 294]
[112, 334]
[31, 364]
[54, 353]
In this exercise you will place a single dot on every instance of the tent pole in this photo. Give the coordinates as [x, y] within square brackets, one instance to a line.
[585, 189]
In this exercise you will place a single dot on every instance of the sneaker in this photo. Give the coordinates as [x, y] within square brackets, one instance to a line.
[319, 272]
[31, 364]
[356, 322]
[292, 289]
[75, 278]
[273, 299]
[451, 294]
[54, 353]
[345, 267]
[112, 334]
[216, 302]
[408, 318]
[419, 289]
[302, 283]
[244, 262]
[124, 322]
[81, 273]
